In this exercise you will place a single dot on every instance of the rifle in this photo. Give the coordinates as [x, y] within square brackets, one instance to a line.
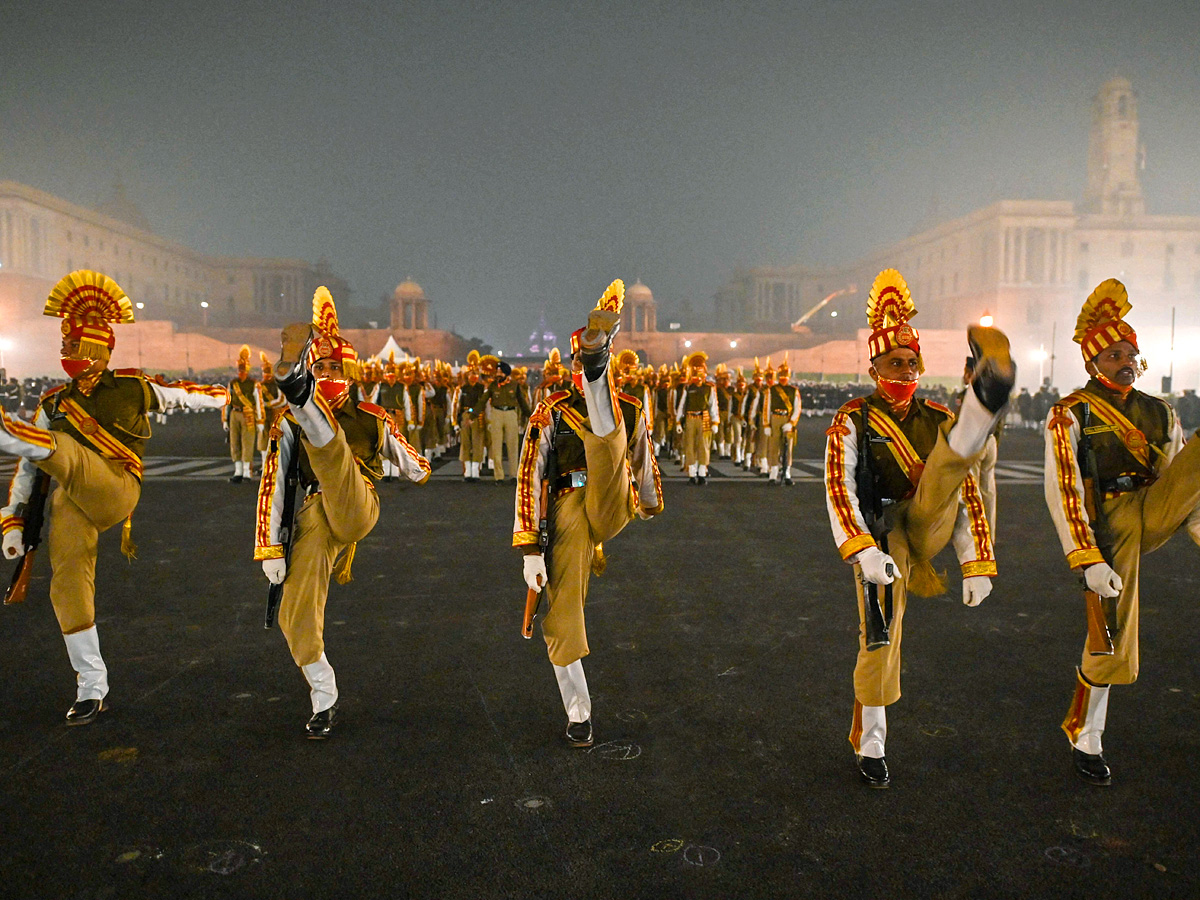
[870, 504]
[31, 534]
[1101, 611]
[286, 523]
[533, 599]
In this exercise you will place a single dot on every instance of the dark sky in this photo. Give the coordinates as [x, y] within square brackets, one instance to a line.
[517, 156]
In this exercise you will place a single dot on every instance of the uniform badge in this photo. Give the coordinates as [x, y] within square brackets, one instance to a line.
[66, 327]
[324, 348]
[1123, 329]
[540, 417]
[905, 335]
[1135, 440]
[89, 426]
[839, 430]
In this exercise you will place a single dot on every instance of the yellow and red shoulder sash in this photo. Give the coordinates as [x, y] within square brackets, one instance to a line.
[906, 456]
[54, 390]
[373, 409]
[1131, 436]
[96, 435]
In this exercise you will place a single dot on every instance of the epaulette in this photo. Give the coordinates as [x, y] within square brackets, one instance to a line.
[377, 411]
[556, 397]
[933, 404]
[52, 391]
[129, 373]
[629, 398]
[853, 405]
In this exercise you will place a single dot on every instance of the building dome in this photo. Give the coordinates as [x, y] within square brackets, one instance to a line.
[408, 290]
[638, 291]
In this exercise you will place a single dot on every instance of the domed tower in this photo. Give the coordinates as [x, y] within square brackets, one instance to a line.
[640, 311]
[1114, 154]
[410, 309]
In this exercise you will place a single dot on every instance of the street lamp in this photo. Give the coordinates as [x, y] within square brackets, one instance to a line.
[204, 306]
[1040, 355]
[986, 319]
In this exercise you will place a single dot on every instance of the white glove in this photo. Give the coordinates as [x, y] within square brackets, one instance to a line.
[535, 571]
[877, 566]
[225, 425]
[275, 570]
[787, 427]
[975, 589]
[14, 544]
[767, 430]
[259, 428]
[716, 428]
[412, 426]
[679, 429]
[1103, 580]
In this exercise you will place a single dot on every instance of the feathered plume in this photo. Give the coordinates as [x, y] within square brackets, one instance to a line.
[889, 302]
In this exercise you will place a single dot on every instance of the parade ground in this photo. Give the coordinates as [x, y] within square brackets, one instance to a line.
[723, 638]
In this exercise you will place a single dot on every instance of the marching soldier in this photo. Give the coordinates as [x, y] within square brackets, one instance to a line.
[238, 418]
[696, 413]
[89, 436]
[593, 442]
[1119, 482]
[391, 398]
[737, 422]
[753, 430]
[725, 411]
[269, 403]
[468, 409]
[341, 445]
[552, 374]
[416, 393]
[662, 410]
[777, 409]
[507, 405]
[897, 478]
[438, 412]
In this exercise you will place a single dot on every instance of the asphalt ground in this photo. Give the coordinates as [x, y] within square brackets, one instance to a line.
[723, 638]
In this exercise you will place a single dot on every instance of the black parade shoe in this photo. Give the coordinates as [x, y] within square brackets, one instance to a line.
[321, 724]
[579, 734]
[874, 771]
[995, 371]
[701, 479]
[291, 372]
[84, 712]
[1091, 767]
[595, 343]
[235, 479]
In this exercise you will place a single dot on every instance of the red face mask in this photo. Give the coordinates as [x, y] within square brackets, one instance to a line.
[897, 391]
[332, 388]
[577, 377]
[76, 367]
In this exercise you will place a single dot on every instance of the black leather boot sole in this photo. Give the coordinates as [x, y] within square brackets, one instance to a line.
[321, 724]
[291, 372]
[84, 712]
[596, 342]
[874, 771]
[995, 371]
[1091, 767]
[579, 734]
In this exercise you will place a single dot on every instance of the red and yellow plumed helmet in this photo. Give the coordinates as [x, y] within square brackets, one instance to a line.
[268, 368]
[473, 360]
[243, 362]
[329, 343]
[889, 309]
[757, 368]
[88, 302]
[769, 371]
[784, 368]
[489, 364]
[626, 361]
[696, 363]
[1101, 322]
[612, 300]
[553, 362]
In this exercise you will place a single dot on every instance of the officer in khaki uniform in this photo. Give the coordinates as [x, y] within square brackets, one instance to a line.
[737, 421]
[777, 410]
[605, 474]
[89, 436]
[391, 398]
[508, 404]
[697, 417]
[239, 419]
[269, 403]
[920, 462]
[1139, 486]
[724, 410]
[468, 411]
[342, 444]
[753, 436]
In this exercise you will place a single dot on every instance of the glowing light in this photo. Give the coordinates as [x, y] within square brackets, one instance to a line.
[1040, 355]
[140, 305]
[833, 315]
[204, 304]
[687, 343]
[733, 345]
[986, 320]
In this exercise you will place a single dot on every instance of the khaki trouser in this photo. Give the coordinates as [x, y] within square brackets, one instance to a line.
[660, 427]
[415, 437]
[342, 512]
[435, 427]
[777, 435]
[242, 438]
[470, 437]
[724, 432]
[696, 440]
[502, 425]
[922, 527]
[736, 428]
[761, 442]
[581, 519]
[1140, 522]
[92, 496]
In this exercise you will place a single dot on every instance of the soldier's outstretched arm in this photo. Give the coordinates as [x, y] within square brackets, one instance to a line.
[850, 531]
[412, 465]
[271, 490]
[1063, 488]
[185, 395]
[535, 450]
[645, 470]
[973, 544]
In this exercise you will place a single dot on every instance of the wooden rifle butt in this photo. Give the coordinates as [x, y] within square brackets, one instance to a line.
[532, 598]
[1099, 640]
[20, 581]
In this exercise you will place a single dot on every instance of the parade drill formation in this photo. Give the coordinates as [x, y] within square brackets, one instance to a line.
[904, 477]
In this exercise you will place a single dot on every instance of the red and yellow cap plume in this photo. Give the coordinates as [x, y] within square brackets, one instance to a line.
[889, 309]
[1101, 322]
[329, 343]
[87, 302]
[268, 367]
[243, 362]
[613, 298]
[696, 363]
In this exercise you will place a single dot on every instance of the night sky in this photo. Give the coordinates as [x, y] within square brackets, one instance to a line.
[514, 157]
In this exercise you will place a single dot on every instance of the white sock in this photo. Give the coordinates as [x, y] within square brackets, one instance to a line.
[874, 733]
[322, 684]
[83, 647]
[973, 426]
[1093, 722]
[702, 471]
[572, 685]
[774, 473]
